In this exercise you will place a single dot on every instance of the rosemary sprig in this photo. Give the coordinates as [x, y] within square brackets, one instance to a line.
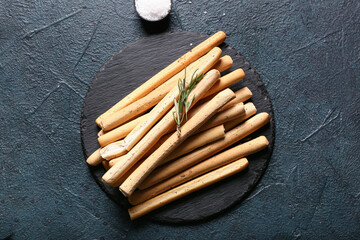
[183, 104]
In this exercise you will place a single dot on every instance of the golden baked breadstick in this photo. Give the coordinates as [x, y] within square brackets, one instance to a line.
[187, 188]
[226, 81]
[185, 162]
[227, 115]
[168, 101]
[193, 142]
[224, 63]
[95, 158]
[241, 95]
[139, 150]
[189, 127]
[205, 166]
[167, 73]
[119, 132]
[113, 150]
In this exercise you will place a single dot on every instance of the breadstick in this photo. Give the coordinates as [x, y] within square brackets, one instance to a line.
[127, 174]
[119, 132]
[226, 81]
[153, 98]
[100, 133]
[190, 126]
[95, 158]
[166, 73]
[250, 110]
[168, 101]
[208, 165]
[138, 151]
[187, 188]
[198, 140]
[241, 95]
[182, 163]
[224, 63]
[224, 116]
[193, 142]
[113, 150]
[233, 112]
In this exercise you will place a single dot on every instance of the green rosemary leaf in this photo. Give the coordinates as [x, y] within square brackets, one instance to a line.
[182, 105]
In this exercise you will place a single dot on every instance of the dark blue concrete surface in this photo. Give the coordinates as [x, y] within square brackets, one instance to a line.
[307, 53]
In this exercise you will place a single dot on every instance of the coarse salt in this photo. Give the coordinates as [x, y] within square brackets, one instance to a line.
[153, 10]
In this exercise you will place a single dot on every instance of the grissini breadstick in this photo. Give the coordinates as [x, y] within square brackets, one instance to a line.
[122, 131]
[198, 140]
[219, 118]
[224, 116]
[100, 133]
[127, 174]
[113, 150]
[168, 101]
[184, 162]
[95, 158]
[119, 132]
[241, 95]
[208, 165]
[154, 97]
[250, 110]
[187, 188]
[167, 73]
[190, 126]
[193, 142]
[226, 81]
[124, 163]
[224, 63]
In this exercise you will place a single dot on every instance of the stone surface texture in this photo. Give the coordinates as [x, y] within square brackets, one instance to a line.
[307, 54]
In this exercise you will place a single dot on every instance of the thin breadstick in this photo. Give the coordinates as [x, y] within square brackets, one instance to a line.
[113, 150]
[168, 101]
[208, 165]
[187, 188]
[226, 81]
[122, 131]
[100, 133]
[127, 174]
[224, 63]
[198, 140]
[190, 126]
[234, 112]
[224, 116]
[95, 158]
[194, 142]
[166, 73]
[139, 150]
[250, 110]
[241, 95]
[119, 132]
[182, 163]
[154, 97]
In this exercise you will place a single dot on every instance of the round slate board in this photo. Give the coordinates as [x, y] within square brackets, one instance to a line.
[129, 68]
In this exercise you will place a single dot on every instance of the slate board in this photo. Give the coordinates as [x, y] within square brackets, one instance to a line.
[136, 63]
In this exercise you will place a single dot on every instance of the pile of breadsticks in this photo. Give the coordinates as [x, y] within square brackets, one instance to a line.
[154, 163]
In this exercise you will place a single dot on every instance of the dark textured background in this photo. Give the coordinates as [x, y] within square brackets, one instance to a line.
[307, 54]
